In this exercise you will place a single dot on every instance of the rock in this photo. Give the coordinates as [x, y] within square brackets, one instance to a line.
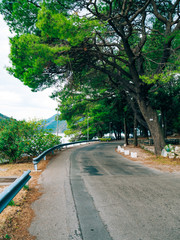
[171, 155]
[177, 149]
[164, 153]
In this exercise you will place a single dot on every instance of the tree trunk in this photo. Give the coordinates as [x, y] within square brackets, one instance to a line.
[116, 135]
[125, 131]
[135, 131]
[119, 135]
[151, 118]
[164, 124]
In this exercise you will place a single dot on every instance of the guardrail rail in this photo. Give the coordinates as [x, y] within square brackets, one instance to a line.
[36, 160]
[10, 192]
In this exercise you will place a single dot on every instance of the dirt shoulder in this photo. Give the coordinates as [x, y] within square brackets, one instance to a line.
[149, 159]
[15, 220]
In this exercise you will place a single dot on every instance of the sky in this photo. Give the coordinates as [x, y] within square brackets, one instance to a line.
[16, 99]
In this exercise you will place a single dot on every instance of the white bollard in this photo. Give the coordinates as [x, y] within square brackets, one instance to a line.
[126, 152]
[35, 167]
[122, 150]
[134, 154]
[119, 148]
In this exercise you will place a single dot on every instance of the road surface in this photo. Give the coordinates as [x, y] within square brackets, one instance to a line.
[93, 193]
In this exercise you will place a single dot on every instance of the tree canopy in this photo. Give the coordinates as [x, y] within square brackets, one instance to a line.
[134, 43]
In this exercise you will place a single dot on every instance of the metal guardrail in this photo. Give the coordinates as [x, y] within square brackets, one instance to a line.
[42, 155]
[10, 192]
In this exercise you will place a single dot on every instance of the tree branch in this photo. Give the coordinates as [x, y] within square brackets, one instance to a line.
[157, 14]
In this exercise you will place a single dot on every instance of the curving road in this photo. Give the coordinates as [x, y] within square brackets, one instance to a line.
[93, 193]
[134, 202]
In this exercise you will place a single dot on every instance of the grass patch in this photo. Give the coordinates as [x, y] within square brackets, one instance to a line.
[11, 203]
[167, 161]
[7, 236]
[26, 187]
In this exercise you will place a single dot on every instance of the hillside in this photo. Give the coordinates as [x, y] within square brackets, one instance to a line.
[3, 117]
[51, 123]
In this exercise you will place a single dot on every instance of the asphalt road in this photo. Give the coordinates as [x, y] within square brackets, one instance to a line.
[100, 195]
[125, 199]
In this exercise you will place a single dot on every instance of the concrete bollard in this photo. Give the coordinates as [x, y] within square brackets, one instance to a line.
[35, 167]
[122, 150]
[126, 152]
[118, 148]
[134, 154]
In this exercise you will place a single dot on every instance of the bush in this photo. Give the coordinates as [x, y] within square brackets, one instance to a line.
[18, 138]
[105, 139]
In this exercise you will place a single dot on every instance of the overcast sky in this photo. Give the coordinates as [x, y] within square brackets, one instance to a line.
[16, 99]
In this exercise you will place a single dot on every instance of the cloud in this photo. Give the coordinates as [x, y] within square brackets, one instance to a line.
[9, 97]
[16, 99]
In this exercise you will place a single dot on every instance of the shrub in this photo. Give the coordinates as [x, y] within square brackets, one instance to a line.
[18, 138]
[105, 139]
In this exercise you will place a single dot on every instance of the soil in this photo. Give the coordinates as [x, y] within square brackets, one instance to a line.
[15, 220]
[149, 159]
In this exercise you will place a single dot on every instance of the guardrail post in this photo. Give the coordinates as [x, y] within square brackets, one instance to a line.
[35, 167]
[45, 157]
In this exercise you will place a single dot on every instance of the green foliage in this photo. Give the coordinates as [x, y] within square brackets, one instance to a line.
[35, 56]
[18, 138]
[21, 15]
[26, 187]
[153, 48]
[72, 29]
[105, 139]
[160, 78]
[91, 108]
[2, 117]
[7, 236]
[11, 203]
[30, 59]
[166, 99]
[169, 148]
[133, 50]
[11, 139]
